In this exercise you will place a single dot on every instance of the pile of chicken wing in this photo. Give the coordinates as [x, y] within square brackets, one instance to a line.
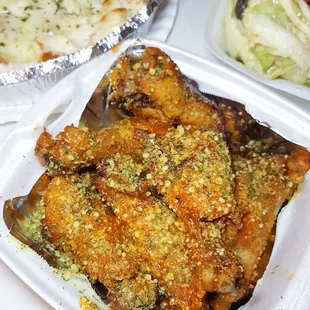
[175, 206]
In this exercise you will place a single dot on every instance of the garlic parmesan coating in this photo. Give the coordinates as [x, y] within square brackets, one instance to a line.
[78, 223]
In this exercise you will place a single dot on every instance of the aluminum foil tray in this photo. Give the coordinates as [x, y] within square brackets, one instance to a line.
[21, 88]
[132, 28]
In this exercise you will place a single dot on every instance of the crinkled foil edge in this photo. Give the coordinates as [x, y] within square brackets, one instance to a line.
[75, 59]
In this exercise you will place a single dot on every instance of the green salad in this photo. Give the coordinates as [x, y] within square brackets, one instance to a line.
[271, 37]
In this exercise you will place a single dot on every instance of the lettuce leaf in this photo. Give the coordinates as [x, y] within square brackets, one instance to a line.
[304, 8]
[275, 12]
[273, 38]
[286, 69]
[237, 43]
[262, 30]
[263, 54]
[294, 14]
[307, 83]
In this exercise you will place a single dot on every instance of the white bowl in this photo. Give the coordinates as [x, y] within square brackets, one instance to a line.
[215, 36]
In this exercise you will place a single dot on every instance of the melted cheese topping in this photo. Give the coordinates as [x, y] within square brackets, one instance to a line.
[37, 30]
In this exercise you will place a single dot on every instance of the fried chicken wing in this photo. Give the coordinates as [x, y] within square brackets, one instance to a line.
[173, 257]
[152, 85]
[77, 148]
[262, 186]
[70, 213]
[76, 222]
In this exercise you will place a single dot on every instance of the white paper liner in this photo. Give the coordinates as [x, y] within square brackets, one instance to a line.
[284, 287]
[215, 37]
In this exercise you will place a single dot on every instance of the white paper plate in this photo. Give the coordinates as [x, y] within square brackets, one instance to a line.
[285, 287]
[15, 100]
[215, 36]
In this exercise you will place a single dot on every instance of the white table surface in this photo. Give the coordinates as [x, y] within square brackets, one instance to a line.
[187, 34]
